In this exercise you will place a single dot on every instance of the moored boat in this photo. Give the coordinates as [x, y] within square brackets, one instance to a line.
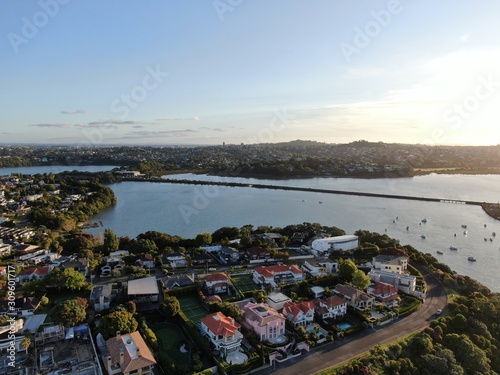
[453, 248]
[439, 252]
[472, 259]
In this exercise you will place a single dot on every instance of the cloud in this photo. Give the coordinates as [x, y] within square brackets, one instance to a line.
[59, 126]
[138, 126]
[213, 129]
[115, 122]
[94, 125]
[75, 112]
[159, 134]
[168, 119]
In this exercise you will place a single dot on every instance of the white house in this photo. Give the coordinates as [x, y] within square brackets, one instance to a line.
[100, 297]
[217, 283]
[332, 307]
[274, 275]
[355, 298]
[391, 263]
[266, 322]
[337, 243]
[405, 283]
[299, 314]
[277, 300]
[222, 331]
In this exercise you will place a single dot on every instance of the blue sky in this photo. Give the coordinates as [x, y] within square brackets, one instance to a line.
[240, 71]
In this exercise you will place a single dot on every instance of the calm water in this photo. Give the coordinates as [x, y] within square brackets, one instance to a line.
[187, 210]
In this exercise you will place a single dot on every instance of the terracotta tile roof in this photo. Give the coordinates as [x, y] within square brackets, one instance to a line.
[40, 271]
[334, 301]
[216, 277]
[382, 288]
[219, 324]
[269, 271]
[136, 354]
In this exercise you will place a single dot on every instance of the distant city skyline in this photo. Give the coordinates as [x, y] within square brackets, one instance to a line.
[165, 73]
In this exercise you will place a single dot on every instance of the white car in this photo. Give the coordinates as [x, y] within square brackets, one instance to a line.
[211, 269]
[439, 312]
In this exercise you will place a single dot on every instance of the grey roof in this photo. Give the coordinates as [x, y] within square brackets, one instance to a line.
[146, 285]
[100, 290]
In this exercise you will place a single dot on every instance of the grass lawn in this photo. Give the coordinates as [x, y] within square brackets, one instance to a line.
[244, 282]
[193, 309]
[172, 341]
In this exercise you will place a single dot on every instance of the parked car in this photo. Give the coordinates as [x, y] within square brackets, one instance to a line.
[211, 269]
[439, 312]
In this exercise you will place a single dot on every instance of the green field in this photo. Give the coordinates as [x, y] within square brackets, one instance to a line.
[192, 308]
[172, 341]
[244, 282]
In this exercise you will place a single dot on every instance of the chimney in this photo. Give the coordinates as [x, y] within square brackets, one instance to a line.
[121, 356]
[109, 363]
[138, 352]
[118, 336]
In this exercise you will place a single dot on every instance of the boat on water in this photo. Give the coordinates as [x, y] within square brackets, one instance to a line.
[464, 225]
[472, 259]
[493, 234]
[439, 252]
[424, 220]
[465, 232]
[453, 248]
[423, 236]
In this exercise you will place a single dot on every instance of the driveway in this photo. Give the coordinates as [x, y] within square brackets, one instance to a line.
[339, 351]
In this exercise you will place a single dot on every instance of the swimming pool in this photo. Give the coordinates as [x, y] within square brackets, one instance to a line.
[344, 326]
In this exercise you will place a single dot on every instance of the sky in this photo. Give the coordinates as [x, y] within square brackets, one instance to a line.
[164, 72]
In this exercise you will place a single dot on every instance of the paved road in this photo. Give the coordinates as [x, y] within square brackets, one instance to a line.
[340, 351]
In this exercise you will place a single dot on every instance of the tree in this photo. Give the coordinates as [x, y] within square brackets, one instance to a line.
[170, 307]
[25, 343]
[118, 321]
[111, 241]
[72, 280]
[360, 280]
[203, 239]
[347, 269]
[70, 312]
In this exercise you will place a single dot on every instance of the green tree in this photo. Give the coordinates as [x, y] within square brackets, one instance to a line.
[347, 269]
[203, 239]
[119, 320]
[170, 307]
[72, 280]
[111, 241]
[25, 343]
[360, 280]
[70, 312]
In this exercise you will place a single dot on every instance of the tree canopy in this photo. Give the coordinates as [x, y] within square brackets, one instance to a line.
[117, 321]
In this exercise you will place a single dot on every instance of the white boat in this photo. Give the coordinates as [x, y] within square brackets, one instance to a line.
[472, 259]
[439, 252]
[453, 248]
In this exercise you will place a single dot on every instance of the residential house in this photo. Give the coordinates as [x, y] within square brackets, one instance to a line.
[318, 291]
[146, 261]
[257, 252]
[5, 249]
[404, 283]
[385, 293]
[266, 322]
[299, 314]
[222, 331]
[391, 263]
[313, 270]
[331, 307]
[217, 283]
[33, 273]
[128, 354]
[202, 259]
[23, 306]
[355, 298]
[100, 297]
[274, 275]
[229, 255]
[173, 282]
[144, 290]
[174, 260]
[81, 265]
[277, 300]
